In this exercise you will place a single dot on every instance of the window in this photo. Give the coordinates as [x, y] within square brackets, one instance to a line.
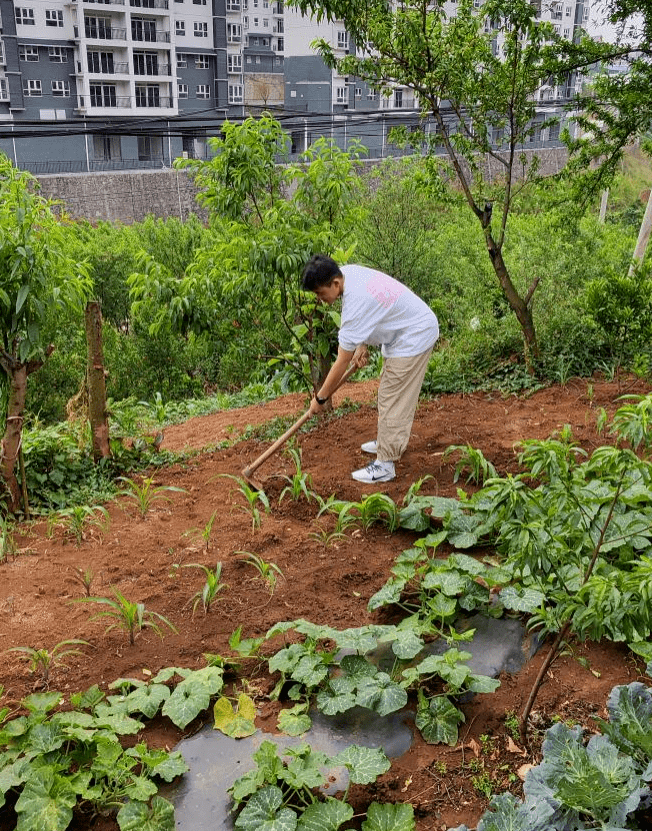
[372, 95]
[265, 23]
[200, 29]
[341, 95]
[203, 91]
[150, 148]
[257, 58]
[25, 16]
[4, 90]
[180, 27]
[234, 64]
[103, 95]
[358, 93]
[32, 88]
[182, 60]
[106, 148]
[342, 40]
[199, 2]
[53, 17]
[279, 27]
[233, 5]
[98, 27]
[148, 95]
[100, 62]
[553, 133]
[142, 28]
[245, 21]
[567, 32]
[145, 63]
[57, 54]
[233, 32]
[202, 62]
[398, 98]
[264, 41]
[61, 89]
[28, 53]
[182, 90]
[280, 44]
[255, 22]
[568, 11]
[235, 93]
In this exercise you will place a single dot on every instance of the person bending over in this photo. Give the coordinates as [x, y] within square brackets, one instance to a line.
[377, 310]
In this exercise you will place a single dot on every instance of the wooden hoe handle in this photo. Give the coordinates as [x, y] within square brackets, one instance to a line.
[248, 471]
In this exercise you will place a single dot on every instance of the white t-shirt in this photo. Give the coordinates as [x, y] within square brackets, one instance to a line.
[380, 311]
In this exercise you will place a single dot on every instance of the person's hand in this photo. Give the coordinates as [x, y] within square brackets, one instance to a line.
[361, 356]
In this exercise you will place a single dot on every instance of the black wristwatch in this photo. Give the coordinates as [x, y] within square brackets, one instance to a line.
[320, 401]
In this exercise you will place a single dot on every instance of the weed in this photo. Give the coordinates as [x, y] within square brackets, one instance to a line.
[483, 784]
[488, 744]
[441, 767]
[252, 497]
[268, 572]
[211, 588]
[512, 724]
[126, 615]
[144, 494]
[8, 546]
[42, 661]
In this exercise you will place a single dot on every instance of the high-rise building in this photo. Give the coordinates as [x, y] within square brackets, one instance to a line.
[97, 84]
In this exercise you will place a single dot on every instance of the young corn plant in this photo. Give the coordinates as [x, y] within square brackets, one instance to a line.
[210, 591]
[8, 546]
[144, 494]
[377, 508]
[205, 532]
[253, 498]
[299, 483]
[267, 572]
[85, 579]
[472, 462]
[43, 661]
[76, 520]
[128, 616]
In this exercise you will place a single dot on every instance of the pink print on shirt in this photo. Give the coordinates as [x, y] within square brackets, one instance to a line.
[385, 290]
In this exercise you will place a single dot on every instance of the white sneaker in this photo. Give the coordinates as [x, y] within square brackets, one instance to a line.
[375, 472]
[370, 447]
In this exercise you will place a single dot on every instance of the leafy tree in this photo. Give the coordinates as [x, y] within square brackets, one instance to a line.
[39, 278]
[475, 74]
[267, 219]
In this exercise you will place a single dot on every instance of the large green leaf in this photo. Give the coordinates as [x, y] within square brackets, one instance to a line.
[46, 802]
[325, 816]
[521, 599]
[263, 812]
[388, 594]
[381, 694]
[192, 695]
[360, 640]
[437, 720]
[365, 764]
[294, 721]
[138, 816]
[147, 699]
[338, 697]
[398, 816]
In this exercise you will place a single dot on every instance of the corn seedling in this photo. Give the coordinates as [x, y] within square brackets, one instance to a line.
[324, 536]
[252, 498]
[211, 589]
[145, 494]
[128, 616]
[268, 572]
[75, 520]
[472, 462]
[85, 579]
[299, 483]
[415, 489]
[205, 532]
[42, 661]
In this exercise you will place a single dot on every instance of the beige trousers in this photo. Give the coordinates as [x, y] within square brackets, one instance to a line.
[398, 395]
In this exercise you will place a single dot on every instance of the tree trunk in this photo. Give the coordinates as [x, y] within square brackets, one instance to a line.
[10, 445]
[97, 411]
[643, 237]
[519, 305]
[319, 368]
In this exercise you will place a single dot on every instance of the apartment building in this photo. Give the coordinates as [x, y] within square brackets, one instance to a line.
[101, 84]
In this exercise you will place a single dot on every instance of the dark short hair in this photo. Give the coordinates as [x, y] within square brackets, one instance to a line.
[319, 271]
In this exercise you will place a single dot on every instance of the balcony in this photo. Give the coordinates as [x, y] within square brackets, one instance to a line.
[158, 101]
[101, 2]
[102, 33]
[104, 68]
[149, 4]
[149, 36]
[152, 70]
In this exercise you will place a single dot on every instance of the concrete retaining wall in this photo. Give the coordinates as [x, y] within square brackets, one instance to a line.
[129, 196]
